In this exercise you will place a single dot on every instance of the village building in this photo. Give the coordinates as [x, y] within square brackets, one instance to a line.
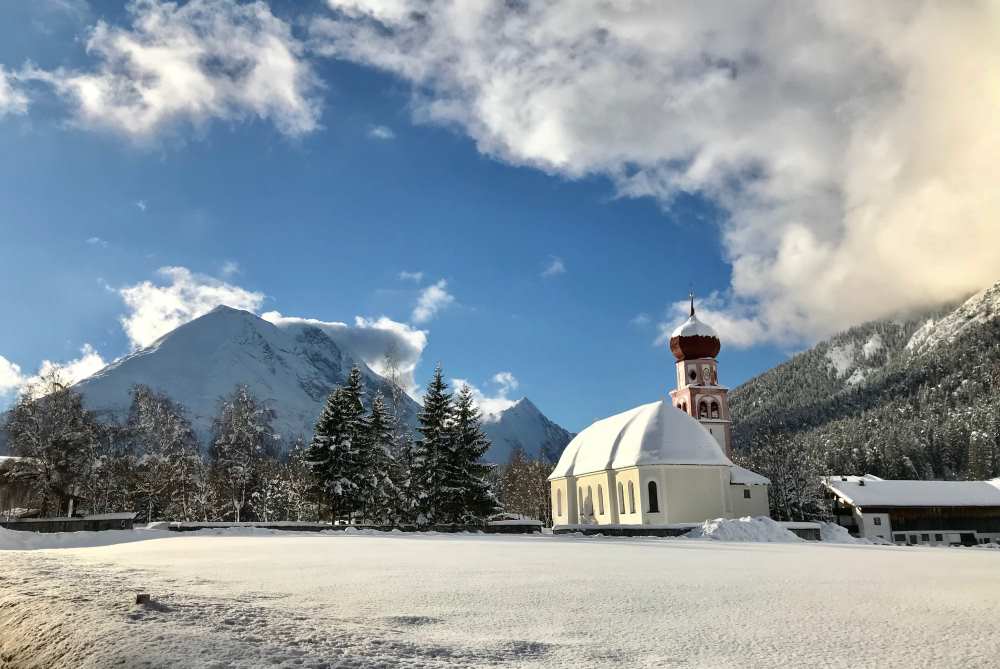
[662, 463]
[917, 512]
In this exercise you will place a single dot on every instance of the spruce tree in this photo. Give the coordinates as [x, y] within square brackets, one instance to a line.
[468, 476]
[429, 450]
[379, 489]
[335, 454]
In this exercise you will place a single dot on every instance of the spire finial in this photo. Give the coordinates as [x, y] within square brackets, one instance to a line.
[691, 297]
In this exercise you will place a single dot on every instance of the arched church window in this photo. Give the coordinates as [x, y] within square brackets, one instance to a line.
[693, 374]
[590, 501]
[715, 409]
[600, 500]
[654, 503]
[559, 502]
[580, 507]
[621, 498]
[631, 497]
[685, 407]
[702, 409]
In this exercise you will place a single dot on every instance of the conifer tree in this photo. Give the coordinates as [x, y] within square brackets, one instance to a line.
[379, 489]
[435, 432]
[471, 497]
[335, 454]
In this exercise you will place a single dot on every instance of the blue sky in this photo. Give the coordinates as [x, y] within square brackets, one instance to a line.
[321, 207]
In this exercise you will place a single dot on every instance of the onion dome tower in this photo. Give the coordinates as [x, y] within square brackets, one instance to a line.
[695, 345]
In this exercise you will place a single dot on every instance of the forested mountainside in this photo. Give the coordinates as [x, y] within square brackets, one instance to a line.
[914, 399]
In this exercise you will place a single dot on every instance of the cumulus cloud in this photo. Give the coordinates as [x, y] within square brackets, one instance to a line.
[72, 371]
[12, 99]
[155, 309]
[554, 267]
[415, 277]
[191, 62]
[432, 299]
[854, 164]
[10, 376]
[492, 405]
[381, 132]
[372, 340]
[97, 241]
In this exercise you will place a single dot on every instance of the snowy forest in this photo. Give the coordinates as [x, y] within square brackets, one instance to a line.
[864, 402]
[361, 465]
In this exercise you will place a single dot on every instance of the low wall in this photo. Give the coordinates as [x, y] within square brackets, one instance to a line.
[502, 527]
[68, 524]
[807, 531]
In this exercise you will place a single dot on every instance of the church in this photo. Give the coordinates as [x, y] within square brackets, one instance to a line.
[665, 462]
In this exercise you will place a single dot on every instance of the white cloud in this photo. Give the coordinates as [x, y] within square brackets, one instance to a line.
[854, 163]
[230, 268]
[10, 376]
[371, 339]
[554, 267]
[381, 132]
[12, 99]
[155, 309]
[90, 362]
[191, 62]
[492, 405]
[415, 277]
[432, 299]
[97, 241]
[141, 204]
[640, 320]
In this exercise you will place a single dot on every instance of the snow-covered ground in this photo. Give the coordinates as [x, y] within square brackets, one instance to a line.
[250, 598]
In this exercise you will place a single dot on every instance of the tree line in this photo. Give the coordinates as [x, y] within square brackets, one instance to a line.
[362, 464]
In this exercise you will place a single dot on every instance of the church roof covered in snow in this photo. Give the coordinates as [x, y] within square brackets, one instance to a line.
[651, 434]
[872, 491]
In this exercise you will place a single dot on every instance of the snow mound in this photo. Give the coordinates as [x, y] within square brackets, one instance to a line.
[835, 534]
[20, 540]
[760, 529]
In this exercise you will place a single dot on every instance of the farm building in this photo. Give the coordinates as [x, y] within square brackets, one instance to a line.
[917, 512]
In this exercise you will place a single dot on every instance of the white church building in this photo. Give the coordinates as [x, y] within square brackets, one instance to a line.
[665, 462]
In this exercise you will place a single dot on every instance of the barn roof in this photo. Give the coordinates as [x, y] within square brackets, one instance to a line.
[872, 491]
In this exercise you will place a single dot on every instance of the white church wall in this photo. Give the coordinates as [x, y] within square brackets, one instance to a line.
[755, 505]
[598, 507]
[693, 493]
[631, 502]
[564, 503]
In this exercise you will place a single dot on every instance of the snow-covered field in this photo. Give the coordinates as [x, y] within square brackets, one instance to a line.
[246, 598]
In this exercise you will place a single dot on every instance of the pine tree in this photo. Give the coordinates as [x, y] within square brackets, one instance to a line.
[380, 490]
[470, 496]
[429, 450]
[336, 454]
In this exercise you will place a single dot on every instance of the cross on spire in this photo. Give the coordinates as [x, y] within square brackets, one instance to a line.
[691, 297]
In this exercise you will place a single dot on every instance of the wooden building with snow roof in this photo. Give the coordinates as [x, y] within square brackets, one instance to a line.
[917, 512]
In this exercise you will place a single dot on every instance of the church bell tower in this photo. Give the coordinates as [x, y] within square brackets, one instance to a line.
[695, 346]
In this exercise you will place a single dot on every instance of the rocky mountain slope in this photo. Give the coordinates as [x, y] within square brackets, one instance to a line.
[524, 426]
[913, 398]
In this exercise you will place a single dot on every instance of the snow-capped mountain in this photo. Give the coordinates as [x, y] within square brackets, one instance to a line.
[292, 368]
[981, 308]
[523, 425]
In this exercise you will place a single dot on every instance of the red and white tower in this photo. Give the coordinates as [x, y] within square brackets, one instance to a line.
[695, 345]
